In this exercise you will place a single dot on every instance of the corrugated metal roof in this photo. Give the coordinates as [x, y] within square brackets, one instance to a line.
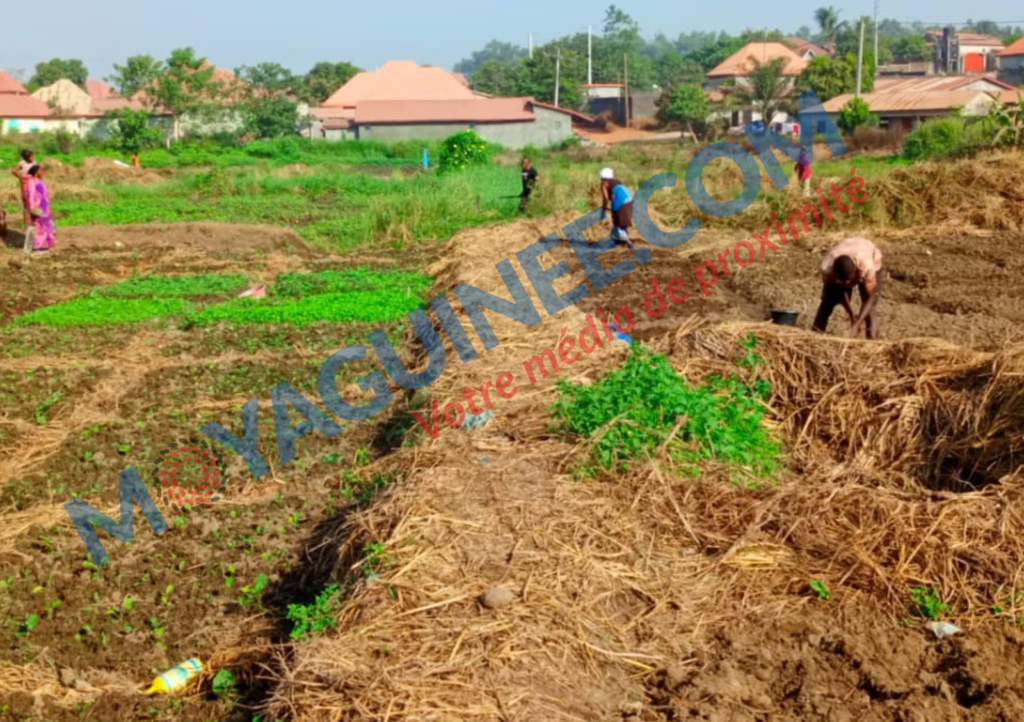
[399, 80]
[936, 82]
[740, 63]
[979, 39]
[22, 106]
[928, 101]
[495, 110]
[9, 85]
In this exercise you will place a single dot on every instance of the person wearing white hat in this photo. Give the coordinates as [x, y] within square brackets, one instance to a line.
[618, 197]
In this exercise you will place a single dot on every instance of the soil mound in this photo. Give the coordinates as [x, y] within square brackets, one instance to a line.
[106, 170]
[209, 236]
[904, 471]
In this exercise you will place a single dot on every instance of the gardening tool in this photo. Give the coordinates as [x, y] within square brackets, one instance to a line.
[784, 318]
[30, 240]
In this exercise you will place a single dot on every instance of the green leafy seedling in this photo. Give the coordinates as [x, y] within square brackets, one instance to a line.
[928, 603]
[820, 588]
[224, 683]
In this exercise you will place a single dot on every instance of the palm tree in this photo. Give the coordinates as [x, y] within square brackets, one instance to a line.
[830, 24]
[766, 89]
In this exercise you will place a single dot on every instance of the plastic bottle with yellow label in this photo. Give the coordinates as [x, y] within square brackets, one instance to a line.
[177, 679]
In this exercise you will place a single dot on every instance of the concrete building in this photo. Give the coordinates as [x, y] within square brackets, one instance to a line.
[402, 100]
[957, 53]
[805, 48]
[19, 112]
[1011, 63]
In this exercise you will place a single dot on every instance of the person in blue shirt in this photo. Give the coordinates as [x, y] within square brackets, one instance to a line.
[616, 196]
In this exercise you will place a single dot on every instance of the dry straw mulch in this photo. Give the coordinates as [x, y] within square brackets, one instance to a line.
[617, 578]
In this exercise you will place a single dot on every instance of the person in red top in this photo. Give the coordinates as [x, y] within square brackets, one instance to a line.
[803, 171]
[854, 262]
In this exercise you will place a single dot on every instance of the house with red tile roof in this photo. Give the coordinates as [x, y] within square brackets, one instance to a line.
[20, 112]
[735, 70]
[805, 48]
[402, 100]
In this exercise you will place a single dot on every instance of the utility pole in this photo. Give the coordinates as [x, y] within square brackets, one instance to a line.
[876, 34]
[625, 78]
[590, 55]
[860, 56]
[558, 73]
[531, 45]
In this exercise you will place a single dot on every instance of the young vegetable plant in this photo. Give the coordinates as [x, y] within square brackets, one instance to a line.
[928, 603]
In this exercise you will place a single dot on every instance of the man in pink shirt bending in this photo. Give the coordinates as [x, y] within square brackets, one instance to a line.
[854, 262]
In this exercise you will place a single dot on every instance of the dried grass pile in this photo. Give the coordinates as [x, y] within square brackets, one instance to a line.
[615, 579]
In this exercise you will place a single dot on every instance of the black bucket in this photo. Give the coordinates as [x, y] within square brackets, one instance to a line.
[784, 318]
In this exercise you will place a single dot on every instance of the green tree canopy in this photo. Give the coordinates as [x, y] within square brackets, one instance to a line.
[829, 77]
[911, 48]
[829, 25]
[138, 72]
[506, 54]
[323, 79]
[185, 86]
[50, 71]
[270, 117]
[766, 89]
[272, 78]
[855, 114]
[685, 106]
[496, 77]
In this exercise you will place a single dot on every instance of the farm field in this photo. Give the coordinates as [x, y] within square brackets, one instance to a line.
[676, 584]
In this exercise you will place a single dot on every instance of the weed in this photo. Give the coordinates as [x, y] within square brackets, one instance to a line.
[29, 625]
[224, 683]
[317, 617]
[254, 594]
[821, 589]
[376, 559]
[632, 412]
[928, 603]
[46, 405]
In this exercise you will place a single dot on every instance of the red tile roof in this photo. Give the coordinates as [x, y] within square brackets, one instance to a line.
[399, 80]
[740, 63]
[1014, 48]
[14, 105]
[10, 85]
[476, 110]
[801, 46]
[979, 39]
[98, 90]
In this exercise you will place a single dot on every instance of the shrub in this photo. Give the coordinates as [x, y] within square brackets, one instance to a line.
[946, 138]
[855, 114]
[629, 414]
[462, 150]
[317, 617]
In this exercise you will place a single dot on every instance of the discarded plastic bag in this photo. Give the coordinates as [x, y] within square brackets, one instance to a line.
[476, 421]
[942, 629]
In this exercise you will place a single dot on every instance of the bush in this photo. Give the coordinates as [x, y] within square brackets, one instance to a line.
[855, 114]
[462, 150]
[946, 138]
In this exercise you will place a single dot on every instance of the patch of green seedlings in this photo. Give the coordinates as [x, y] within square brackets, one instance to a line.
[29, 625]
[301, 285]
[928, 602]
[633, 413]
[224, 684]
[86, 311]
[150, 286]
[46, 405]
[367, 306]
[315, 618]
[253, 594]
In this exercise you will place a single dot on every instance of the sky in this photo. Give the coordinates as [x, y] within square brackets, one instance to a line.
[298, 34]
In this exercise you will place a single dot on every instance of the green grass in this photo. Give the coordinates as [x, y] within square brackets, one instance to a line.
[365, 306]
[631, 413]
[206, 284]
[103, 311]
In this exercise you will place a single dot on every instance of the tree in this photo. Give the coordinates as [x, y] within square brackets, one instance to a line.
[270, 117]
[804, 32]
[830, 25]
[503, 53]
[911, 48]
[496, 77]
[855, 114]
[130, 131]
[622, 40]
[829, 77]
[185, 86]
[325, 78]
[51, 71]
[684, 105]
[538, 76]
[138, 72]
[766, 89]
[710, 55]
[671, 68]
[272, 78]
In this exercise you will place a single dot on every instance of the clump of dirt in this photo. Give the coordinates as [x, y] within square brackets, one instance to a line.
[212, 237]
[806, 666]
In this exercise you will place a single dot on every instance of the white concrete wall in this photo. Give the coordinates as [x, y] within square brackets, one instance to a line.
[22, 125]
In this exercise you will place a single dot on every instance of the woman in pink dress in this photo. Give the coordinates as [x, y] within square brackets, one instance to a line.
[39, 207]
